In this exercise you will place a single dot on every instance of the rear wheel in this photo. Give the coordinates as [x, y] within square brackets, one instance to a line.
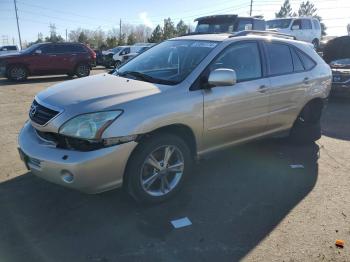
[158, 168]
[82, 70]
[17, 73]
[307, 126]
[316, 43]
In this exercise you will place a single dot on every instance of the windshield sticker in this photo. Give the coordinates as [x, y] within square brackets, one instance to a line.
[204, 44]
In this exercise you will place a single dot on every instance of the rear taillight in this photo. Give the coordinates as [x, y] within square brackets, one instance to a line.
[93, 55]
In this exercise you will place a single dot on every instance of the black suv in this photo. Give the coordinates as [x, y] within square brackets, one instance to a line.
[228, 24]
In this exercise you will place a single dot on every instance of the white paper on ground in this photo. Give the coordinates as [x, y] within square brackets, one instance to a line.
[182, 222]
[297, 166]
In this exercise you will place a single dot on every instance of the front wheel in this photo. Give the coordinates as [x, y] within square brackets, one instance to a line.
[17, 73]
[158, 168]
[82, 70]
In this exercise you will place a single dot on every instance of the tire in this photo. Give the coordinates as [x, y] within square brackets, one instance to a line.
[70, 74]
[307, 126]
[82, 70]
[142, 166]
[316, 44]
[17, 73]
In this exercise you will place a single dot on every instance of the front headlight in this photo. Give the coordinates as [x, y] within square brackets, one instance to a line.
[89, 126]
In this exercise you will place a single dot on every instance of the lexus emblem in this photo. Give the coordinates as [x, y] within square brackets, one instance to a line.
[32, 110]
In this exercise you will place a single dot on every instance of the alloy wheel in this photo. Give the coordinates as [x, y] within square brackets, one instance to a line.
[162, 170]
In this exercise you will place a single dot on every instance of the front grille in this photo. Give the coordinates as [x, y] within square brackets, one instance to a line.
[41, 114]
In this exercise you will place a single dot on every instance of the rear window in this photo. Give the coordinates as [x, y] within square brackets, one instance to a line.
[280, 59]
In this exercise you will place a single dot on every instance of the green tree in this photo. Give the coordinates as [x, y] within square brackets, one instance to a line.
[181, 28]
[131, 39]
[111, 41]
[308, 9]
[169, 30]
[83, 38]
[157, 35]
[285, 11]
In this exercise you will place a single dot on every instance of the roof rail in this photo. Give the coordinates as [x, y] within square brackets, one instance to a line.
[263, 33]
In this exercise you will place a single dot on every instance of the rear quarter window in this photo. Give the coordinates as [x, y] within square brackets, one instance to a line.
[307, 61]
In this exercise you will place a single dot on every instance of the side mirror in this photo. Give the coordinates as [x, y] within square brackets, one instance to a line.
[222, 77]
[38, 52]
[295, 27]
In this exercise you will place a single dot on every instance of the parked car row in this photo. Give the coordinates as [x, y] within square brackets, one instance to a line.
[6, 49]
[116, 56]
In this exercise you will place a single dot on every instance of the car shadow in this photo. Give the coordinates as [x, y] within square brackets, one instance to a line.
[336, 119]
[234, 201]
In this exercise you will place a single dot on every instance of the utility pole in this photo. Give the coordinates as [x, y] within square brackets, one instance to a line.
[19, 33]
[251, 7]
[120, 31]
[66, 35]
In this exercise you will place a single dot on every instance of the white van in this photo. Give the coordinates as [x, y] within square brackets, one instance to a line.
[306, 29]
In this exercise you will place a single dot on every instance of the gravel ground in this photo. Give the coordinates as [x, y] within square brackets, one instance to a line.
[245, 203]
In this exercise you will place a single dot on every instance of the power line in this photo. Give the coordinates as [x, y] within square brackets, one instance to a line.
[19, 32]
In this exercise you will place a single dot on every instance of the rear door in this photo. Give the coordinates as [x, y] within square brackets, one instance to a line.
[64, 58]
[233, 113]
[289, 81]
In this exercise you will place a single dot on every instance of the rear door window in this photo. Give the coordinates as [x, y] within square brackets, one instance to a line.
[47, 49]
[279, 59]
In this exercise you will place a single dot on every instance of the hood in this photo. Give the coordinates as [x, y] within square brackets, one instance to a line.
[96, 93]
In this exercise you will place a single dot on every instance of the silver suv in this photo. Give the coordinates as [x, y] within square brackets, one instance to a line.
[144, 125]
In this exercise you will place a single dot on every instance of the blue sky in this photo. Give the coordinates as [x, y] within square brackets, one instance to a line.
[36, 15]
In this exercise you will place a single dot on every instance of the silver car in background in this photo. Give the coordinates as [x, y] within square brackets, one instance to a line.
[144, 125]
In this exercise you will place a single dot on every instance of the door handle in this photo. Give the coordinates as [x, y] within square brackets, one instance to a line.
[263, 88]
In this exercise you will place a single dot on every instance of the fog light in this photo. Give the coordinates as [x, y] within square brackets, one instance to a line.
[67, 176]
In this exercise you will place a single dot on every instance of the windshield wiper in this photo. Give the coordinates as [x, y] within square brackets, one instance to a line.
[147, 78]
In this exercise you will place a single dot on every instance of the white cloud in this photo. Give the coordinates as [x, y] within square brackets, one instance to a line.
[145, 19]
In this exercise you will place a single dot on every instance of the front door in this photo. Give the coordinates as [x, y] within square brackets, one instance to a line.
[235, 113]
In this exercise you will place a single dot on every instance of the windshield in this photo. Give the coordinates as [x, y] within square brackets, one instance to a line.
[169, 62]
[115, 50]
[278, 23]
[30, 49]
[219, 25]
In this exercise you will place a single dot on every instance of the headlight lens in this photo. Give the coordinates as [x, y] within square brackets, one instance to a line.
[89, 126]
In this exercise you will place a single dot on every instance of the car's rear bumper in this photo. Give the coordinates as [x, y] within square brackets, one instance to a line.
[90, 172]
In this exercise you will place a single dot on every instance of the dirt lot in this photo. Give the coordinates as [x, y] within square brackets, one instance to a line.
[245, 203]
